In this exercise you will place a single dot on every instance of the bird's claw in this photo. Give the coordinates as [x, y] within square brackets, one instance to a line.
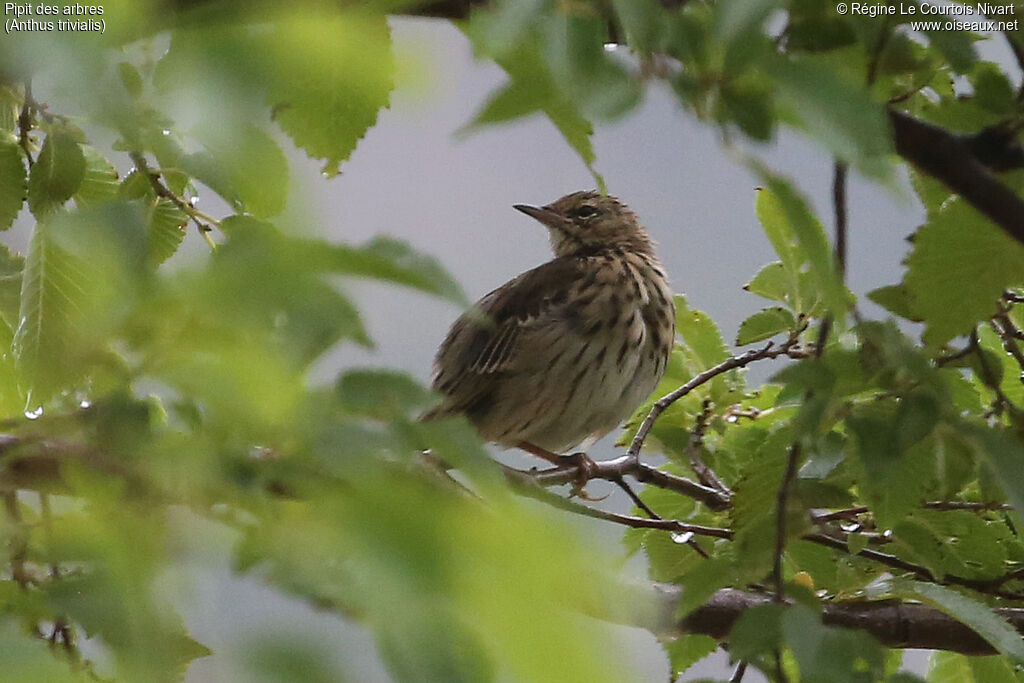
[586, 469]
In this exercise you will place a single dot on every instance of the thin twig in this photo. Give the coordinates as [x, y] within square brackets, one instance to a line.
[781, 501]
[165, 192]
[738, 672]
[705, 474]
[788, 348]
[839, 204]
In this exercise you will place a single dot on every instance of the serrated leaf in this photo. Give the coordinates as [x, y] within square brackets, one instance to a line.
[56, 175]
[13, 180]
[100, 180]
[765, 324]
[686, 650]
[959, 267]
[993, 628]
[165, 223]
[336, 71]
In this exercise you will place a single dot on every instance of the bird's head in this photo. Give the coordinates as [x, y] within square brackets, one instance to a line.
[585, 222]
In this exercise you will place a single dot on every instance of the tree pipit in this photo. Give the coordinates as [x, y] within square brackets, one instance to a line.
[559, 356]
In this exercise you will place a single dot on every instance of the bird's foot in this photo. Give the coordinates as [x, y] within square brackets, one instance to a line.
[586, 469]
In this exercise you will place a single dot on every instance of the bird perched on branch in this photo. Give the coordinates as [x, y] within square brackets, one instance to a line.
[559, 356]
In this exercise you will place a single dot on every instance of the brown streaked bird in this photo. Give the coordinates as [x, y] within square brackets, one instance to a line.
[561, 355]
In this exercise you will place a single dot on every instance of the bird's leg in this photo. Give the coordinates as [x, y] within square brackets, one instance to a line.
[586, 468]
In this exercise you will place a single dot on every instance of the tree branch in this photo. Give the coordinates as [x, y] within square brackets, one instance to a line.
[894, 624]
[951, 159]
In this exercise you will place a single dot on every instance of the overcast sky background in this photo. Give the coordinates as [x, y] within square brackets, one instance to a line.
[413, 178]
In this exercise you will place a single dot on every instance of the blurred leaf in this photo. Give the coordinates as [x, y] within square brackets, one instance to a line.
[383, 394]
[831, 654]
[765, 324]
[643, 22]
[56, 175]
[11, 267]
[28, 659]
[573, 50]
[949, 667]
[13, 186]
[252, 165]
[839, 115]
[960, 265]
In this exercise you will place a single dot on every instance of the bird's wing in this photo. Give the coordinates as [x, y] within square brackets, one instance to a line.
[485, 340]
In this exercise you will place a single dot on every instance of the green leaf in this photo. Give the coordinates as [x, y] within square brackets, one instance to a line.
[100, 180]
[992, 90]
[1004, 453]
[787, 209]
[765, 324]
[390, 259]
[12, 182]
[700, 333]
[949, 667]
[771, 282]
[166, 222]
[11, 267]
[56, 175]
[130, 77]
[52, 293]
[960, 265]
[895, 299]
[381, 394]
[993, 628]
[830, 654]
[757, 632]
[334, 73]
[643, 22]
[28, 658]
[993, 669]
[532, 88]
[686, 650]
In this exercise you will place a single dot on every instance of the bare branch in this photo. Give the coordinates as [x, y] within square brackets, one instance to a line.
[768, 351]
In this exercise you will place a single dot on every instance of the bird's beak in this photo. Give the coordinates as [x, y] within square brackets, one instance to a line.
[542, 214]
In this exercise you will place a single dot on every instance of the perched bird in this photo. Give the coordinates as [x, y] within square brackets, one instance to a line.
[559, 356]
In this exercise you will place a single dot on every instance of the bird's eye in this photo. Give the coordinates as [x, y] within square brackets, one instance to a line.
[584, 212]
